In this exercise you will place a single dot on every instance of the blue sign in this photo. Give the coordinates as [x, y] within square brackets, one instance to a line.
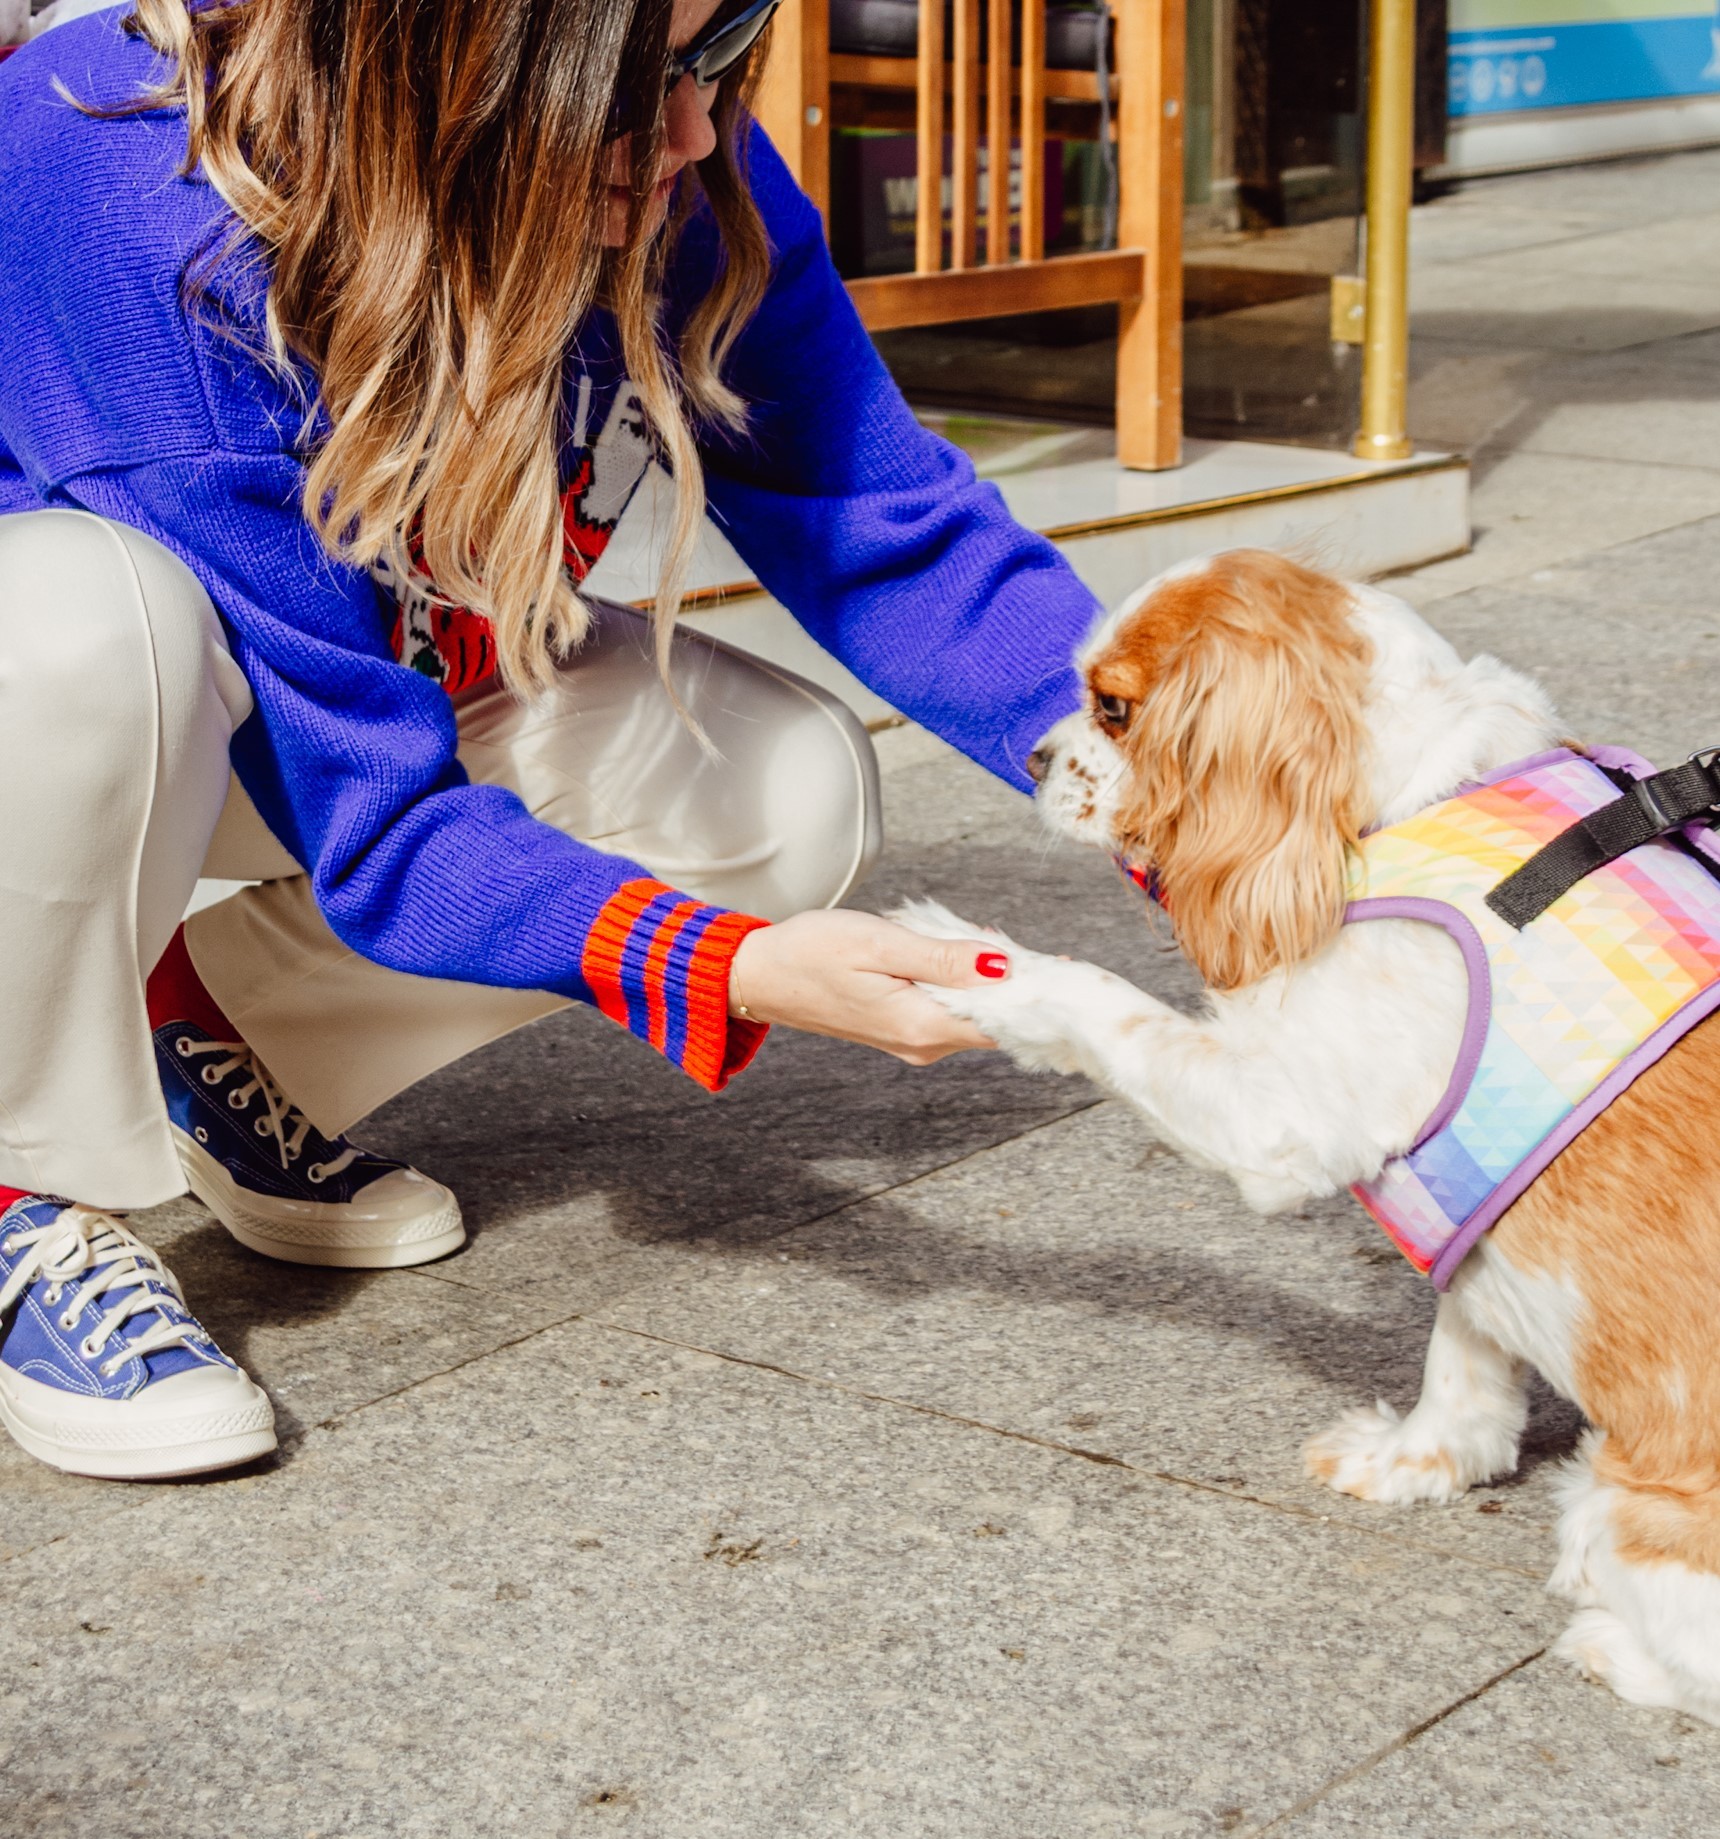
[1504, 72]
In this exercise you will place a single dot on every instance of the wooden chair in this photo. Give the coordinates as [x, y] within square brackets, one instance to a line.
[1143, 275]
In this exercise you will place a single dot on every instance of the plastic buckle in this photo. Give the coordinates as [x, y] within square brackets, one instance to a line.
[1705, 757]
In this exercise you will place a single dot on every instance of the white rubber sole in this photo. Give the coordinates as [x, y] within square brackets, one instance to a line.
[413, 1220]
[171, 1428]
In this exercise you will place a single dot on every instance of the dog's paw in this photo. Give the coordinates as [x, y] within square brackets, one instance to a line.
[1049, 1014]
[1378, 1456]
[1606, 1649]
[1046, 1014]
[1020, 1013]
[1029, 1033]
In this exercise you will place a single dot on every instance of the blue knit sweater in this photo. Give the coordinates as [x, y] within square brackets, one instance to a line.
[873, 533]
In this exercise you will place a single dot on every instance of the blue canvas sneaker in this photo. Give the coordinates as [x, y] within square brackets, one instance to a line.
[103, 1370]
[277, 1183]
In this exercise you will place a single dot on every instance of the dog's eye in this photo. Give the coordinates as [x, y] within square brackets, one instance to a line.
[1114, 711]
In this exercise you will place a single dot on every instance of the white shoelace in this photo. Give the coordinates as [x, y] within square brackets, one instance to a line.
[281, 1118]
[79, 1239]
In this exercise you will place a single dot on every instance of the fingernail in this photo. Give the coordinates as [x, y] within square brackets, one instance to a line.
[991, 964]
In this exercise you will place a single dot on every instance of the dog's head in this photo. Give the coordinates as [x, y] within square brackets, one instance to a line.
[1222, 744]
[1245, 719]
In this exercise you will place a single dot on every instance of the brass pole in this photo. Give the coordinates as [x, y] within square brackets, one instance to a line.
[1391, 166]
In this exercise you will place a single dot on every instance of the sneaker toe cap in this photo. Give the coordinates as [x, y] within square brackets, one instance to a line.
[402, 1197]
[214, 1387]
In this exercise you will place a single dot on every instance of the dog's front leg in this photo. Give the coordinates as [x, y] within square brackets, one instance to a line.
[1239, 1112]
[1465, 1427]
[1235, 1109]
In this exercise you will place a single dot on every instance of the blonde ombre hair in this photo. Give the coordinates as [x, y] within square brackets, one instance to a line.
[428, 180]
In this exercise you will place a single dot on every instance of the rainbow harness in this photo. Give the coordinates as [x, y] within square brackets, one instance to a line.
[1592, 942]
[1565, 1010]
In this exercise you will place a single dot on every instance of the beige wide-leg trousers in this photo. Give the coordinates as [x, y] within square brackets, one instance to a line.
[118, 700]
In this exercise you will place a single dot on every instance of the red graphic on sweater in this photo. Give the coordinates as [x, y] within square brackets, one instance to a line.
[582, 541]
[455, 646]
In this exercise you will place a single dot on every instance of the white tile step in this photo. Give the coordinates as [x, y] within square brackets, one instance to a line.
[1117, 528]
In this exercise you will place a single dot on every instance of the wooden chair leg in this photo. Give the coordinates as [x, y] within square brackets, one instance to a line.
[998, 85]
[929, 143]
[1033, 130]
[1150, 70]
[964, 156]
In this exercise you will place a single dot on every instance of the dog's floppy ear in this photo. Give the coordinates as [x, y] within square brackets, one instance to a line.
[1248, 766]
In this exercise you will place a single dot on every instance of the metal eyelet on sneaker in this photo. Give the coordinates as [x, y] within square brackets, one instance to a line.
[182, 1047]
[53, 1293]
[110, 1367]
[9, 1247]
[316, 1174]
[69, 1321]
[237, 1100]
[261, 1126]
[201, 1134]
[211, 1077]
[88, 1348]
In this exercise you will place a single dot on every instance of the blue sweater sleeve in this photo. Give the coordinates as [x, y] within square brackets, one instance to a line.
[874, 533]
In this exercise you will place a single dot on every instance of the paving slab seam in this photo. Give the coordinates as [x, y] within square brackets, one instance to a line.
[436, 1273]
[296, 1440]
[1498, 450]
[429, 1272]
[1489, 449]
[1536, 245]
[1099, 1458]
[442, 1274]
[1676, 338]
[1524, 582]
[145, 1495]
[1467, 345]
[1578, 352]
[1386, 1750]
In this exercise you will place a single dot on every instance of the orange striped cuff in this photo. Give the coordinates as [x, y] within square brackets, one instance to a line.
[658, 962]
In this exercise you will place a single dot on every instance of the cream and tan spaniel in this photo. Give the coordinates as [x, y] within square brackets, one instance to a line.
[1248, 724]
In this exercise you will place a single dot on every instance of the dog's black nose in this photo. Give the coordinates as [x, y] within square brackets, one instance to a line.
[1039, 764]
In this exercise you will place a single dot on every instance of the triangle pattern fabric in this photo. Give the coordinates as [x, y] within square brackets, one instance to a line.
[1583, 999]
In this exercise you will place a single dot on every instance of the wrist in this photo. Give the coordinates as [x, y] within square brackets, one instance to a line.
[741, 984]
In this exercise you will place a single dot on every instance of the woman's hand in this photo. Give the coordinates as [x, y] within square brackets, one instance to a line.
[852, 975]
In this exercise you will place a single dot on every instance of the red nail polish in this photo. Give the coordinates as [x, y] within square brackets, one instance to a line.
[991, 964]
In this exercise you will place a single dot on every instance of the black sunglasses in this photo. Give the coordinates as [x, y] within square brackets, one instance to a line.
[708, 59]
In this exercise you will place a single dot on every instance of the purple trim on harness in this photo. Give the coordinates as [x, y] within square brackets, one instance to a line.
[1552, 757]
[1622, 1076]
[1621, 760]
[1468, 941]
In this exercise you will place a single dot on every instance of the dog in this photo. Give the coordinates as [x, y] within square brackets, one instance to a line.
[1248, 724]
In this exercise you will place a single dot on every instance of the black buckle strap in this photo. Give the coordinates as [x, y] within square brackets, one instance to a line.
[1649, 808]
